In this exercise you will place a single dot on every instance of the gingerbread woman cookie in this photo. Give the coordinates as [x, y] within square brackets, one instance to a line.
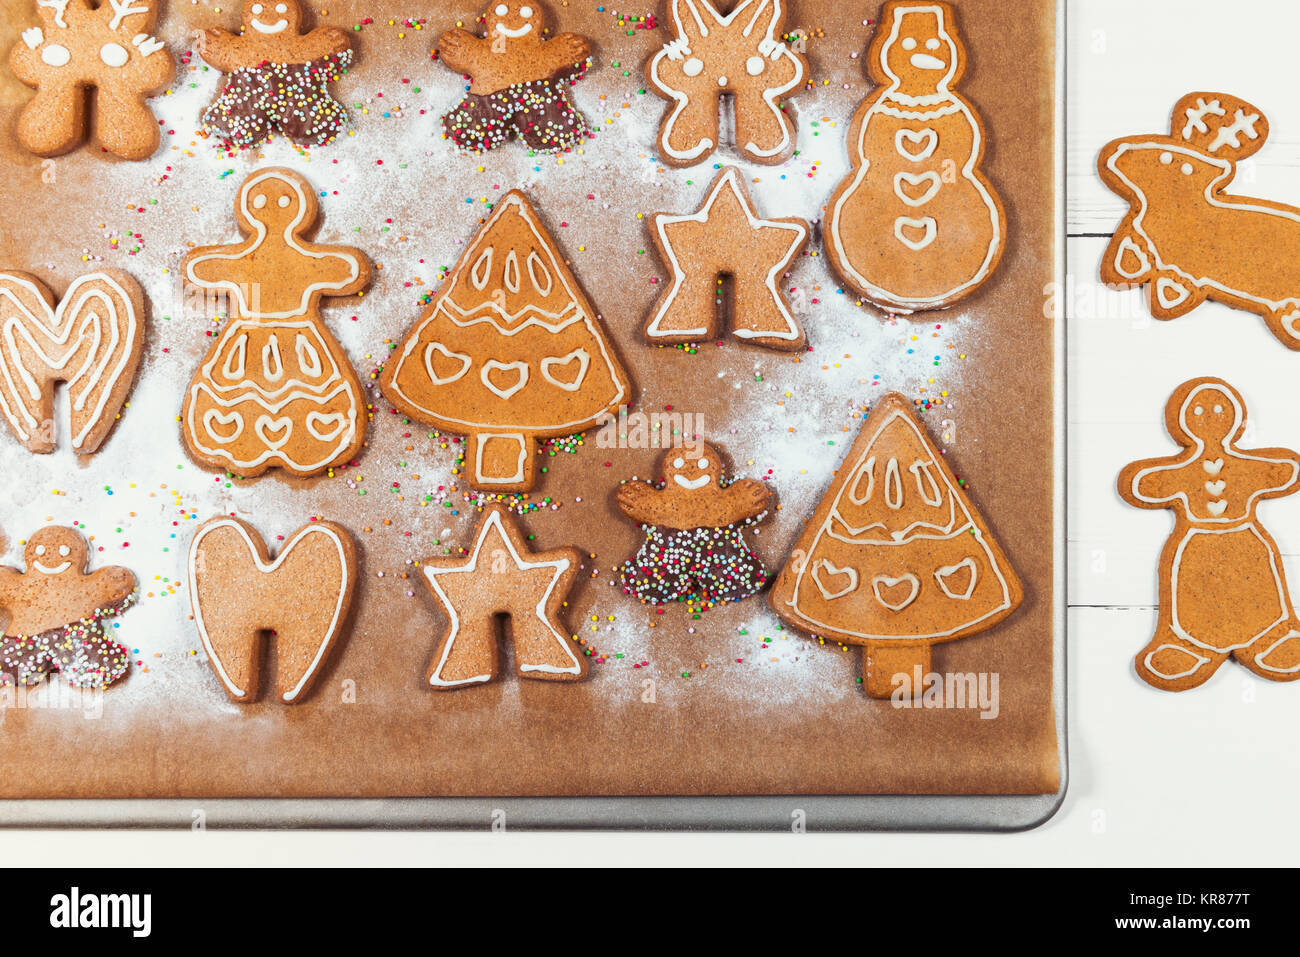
[56, 613]
[277, 77]
[275, 389]
[502, 576]
[1186, 237]
[740, 55]
[518, 81]
[1223, 590]
[240, 595]
[694, 524]
[916, 225]
[92, 341]
[106, 47]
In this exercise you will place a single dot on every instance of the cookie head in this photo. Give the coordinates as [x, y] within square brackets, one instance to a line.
[693, 469]
[514, 21]
[271, 17]
[55, 550]
[919, 53]
[1169, 166]
[1212, 412]
[276, 201]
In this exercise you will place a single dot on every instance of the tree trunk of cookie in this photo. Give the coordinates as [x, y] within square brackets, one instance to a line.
[500, 461]
[881, 661]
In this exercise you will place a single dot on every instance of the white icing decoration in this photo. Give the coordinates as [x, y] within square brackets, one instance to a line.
[754, 65]
[1196, 116]
[694, 66]
[315, 420]
[56, 55]
[60, 7]
[123, 9]
[1259, 658]
[48, 570]
[944, 573]
[886, 581]
[265, 425]
[216, 417]
[481, 271]
[1230, 135]
[493, 365]
[830, 568]
[893, 485]
[926, 486]
[1197, 662]
[916, 179]
[309, 360]
[439, 348]
[927, 225]
[1129, 248]
[510, 275]
[539, 274]
[579, 355]
[233, 367]
[146, 44]
[691, 484]
[33, 37]
[518, 475]
[869, 470]
[270, 28]
[272, 364]
[1170, 294]
[515, 34]
[114, 54]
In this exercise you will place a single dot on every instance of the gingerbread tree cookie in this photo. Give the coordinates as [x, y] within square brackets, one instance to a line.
[726, 238]
[896, 557]
[278, 77]
[518, 81]
[740, 55]
[916, 225]
[501, 576]
[509, 351]
[275, 389]
[1223, 590]
[694, 524]
[91, 341]
[1188, 239]
[106, 47]
[56, 613]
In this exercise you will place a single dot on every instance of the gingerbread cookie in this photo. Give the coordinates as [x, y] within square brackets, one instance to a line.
[694, 524]
[896, 557]
[56, 613]
[276, 388]
[916, 225]
[725, 238]
[509, 351]
[1187, 238]
[501, 576]
[239, 596]
[106, 47]
[1223, 590]
[740, 55]
[277, 77]
[518, 81]
[92, 341]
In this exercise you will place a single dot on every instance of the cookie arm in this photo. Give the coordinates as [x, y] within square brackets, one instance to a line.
[640, 502]
[1152, 483]
[222, 50]
[1284, 473]
[111, 585]
[747, 498]
[10, 578]
[328, 40]
[563, 53]
[461, 50]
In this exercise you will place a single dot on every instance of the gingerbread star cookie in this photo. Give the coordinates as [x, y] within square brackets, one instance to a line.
[726, 238]
[501, 576]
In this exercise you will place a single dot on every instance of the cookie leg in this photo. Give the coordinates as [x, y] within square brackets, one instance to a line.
[548, 122]
[1127, 260]
[126, 127]
[1170, 295]
[1276, 655]
[239, 114]
[86, 657]
[479, 123]
[1172, 664]
[55, 121]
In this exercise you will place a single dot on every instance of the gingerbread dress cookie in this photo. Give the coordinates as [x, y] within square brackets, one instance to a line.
[56, 612]
[1223, 589]
[278, 78]
[518, 82]
[915, 225]
[275, 389]
[694, 526]
[106, 47]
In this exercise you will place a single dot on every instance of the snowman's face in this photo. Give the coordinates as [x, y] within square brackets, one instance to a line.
[694, 469]
[1170, 166]
[271, 17]
[55, 550]
[1211, 414]
[919, 51]
[514, 20]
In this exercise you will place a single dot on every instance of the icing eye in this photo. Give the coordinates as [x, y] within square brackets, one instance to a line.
[1187, 169]
[909, 43]
[702, 464]
[754, 65]
[259, 200]
[1197, 411]
[678, 462]
[525, 12]
[65, 551]
[501, 10]
[281, 8]
[40, 549]
[694, 66]
[1166, 157]
[932, 43]
[257, 9]
[114, 54]
[1218, 410]
[55, 55]
[284, 202]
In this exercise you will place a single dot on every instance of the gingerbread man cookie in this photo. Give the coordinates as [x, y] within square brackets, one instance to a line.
[916, 225]
[91, 341]
[741, 55]
[278, 78]
[725, 237]
[106, 47]
[56, 613]
[502, 576]
[1186, 237]
[518, 81]
[694, 524]
[240, 595]
[1223, 590]
[275, 389]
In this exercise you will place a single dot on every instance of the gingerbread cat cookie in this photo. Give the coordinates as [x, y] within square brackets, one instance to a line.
[502, 576]
[1223, 590]
[92, 341]
[694, 524]
[518, 81]
[896, 557]
[1188, 239]
[509, 351]
[276, 388]
[240, 595]
[106, 47]
[277, 77]
[56, 613]
[916, 225]
[740, 54]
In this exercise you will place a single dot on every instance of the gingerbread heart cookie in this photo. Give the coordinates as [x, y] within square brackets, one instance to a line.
[240, 595]
[92, 341]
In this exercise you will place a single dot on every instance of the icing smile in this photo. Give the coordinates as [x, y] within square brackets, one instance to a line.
[691, 484]
[42, 567]
[923, 61]
[505, 31]
[277, 27]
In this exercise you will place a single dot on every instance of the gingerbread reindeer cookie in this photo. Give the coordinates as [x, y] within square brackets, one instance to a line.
[740, 54]
[518, 81]
[91, 341]
[1223, 590]
[275, 389]
[916, 225]
[277, 77]
[1184, 236]
[56, 613]
[106, 47]
[694, 524]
